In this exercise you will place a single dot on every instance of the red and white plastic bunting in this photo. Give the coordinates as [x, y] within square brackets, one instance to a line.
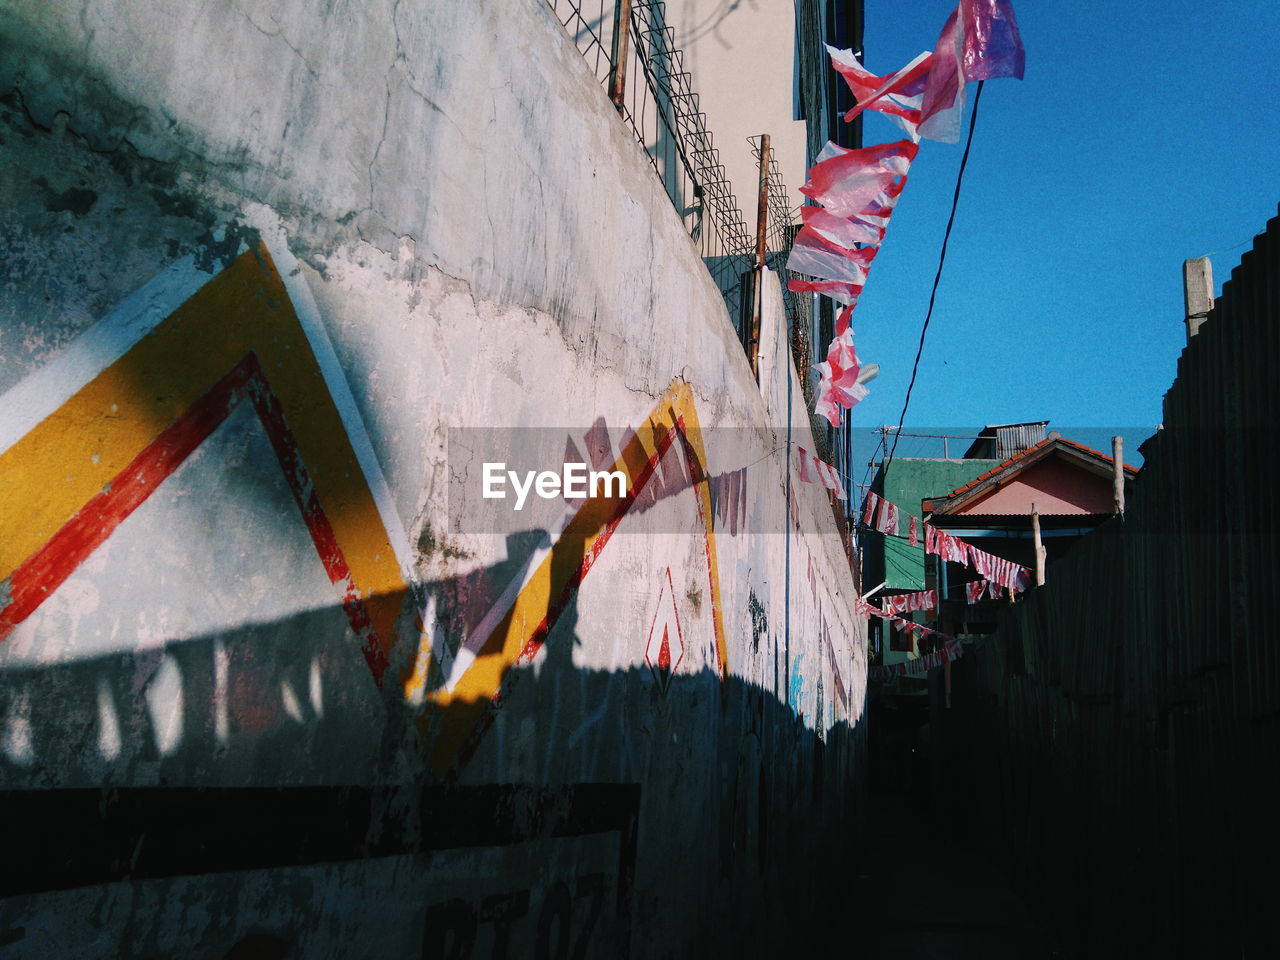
[979, 589]
[838, 384]
[942, 544]
[863, 608]
[881, 515]
[910, 602]
[951, 650]
[814, 470]
[897, 95]
[856, 190]
[979, 41]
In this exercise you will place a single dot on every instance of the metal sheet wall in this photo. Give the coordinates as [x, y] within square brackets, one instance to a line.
[1119, 739]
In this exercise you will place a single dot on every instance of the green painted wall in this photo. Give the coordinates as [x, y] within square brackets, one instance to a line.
[906, 483]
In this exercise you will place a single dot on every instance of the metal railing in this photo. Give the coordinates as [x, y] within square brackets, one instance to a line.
[659, 104]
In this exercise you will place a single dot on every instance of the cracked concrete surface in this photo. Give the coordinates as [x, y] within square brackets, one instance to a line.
[486, 245]
[374, 124]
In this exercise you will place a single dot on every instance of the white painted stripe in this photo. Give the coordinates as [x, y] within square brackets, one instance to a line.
[43, 391]
[273, 235]
[483, 630]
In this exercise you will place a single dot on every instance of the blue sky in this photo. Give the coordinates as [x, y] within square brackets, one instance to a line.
[1144, 133]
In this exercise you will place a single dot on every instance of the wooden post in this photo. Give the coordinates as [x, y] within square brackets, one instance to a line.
[762, 207]
[618, 54]
[1039, 546]
[1197, 292]
[762, 231]
[1117, 472]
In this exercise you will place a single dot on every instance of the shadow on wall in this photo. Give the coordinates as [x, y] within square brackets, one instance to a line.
[254, 792]
[695, 819]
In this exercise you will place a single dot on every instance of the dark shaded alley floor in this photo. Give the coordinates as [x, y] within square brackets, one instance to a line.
[925, 896]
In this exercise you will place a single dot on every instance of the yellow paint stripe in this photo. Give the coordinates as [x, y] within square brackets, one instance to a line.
[48, 475]
[451, 716]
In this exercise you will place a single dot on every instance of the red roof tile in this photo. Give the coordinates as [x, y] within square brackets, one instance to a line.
[1017, 458]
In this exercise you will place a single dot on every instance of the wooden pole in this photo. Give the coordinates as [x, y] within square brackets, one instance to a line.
[1039, 546]
[762, 207]
[1117, 472]
[618, 54]
[1197, 292]
[762, 232]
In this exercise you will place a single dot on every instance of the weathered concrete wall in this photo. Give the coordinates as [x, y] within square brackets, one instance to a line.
[256, 687]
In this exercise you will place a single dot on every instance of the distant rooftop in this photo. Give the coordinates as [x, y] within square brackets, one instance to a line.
[1000, 441]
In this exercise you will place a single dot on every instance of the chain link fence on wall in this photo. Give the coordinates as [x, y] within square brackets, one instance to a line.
[664, 112]
[783, 224]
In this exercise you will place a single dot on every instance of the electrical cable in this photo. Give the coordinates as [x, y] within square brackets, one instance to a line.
[942, 258]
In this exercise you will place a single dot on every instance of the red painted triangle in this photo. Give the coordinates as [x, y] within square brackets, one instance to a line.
[664, 654]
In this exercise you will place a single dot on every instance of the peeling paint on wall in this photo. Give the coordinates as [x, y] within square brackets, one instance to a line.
[240, 310]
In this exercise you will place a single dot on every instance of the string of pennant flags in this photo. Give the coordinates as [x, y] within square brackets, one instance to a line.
[926, 600]
[813, 469]
[885, 517]
[949, 648]
[949, 651]
[881, 515]
[855, 191]
[864, 608]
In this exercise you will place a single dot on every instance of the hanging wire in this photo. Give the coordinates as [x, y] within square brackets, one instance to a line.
[942, 258]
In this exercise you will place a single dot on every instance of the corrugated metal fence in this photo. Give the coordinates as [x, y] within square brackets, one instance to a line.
[1118, 741]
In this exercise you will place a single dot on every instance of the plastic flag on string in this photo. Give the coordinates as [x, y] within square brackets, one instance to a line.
[992, 43]
[814, 470]
[807, 474]
[981, 589]
[858, 190]
[887, 518]
[943, 102]
[843, 293]
[910, 602]
[951, 650]
[898, 95]
[946, 546]
[997, 571]
[812, 254]
[869, 507]
[980, 41]
[847, 182]
[838, 385]
[843, 231]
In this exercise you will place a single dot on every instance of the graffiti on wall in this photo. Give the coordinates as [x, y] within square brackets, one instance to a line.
[71, 479]
[132, 399]
[462, 690]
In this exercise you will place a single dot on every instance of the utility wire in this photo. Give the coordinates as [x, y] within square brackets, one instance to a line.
[942, 258]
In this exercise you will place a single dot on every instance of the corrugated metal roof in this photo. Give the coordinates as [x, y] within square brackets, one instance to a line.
[999, 441]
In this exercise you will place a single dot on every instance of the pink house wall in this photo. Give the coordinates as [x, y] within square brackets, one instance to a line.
[1055, 487]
